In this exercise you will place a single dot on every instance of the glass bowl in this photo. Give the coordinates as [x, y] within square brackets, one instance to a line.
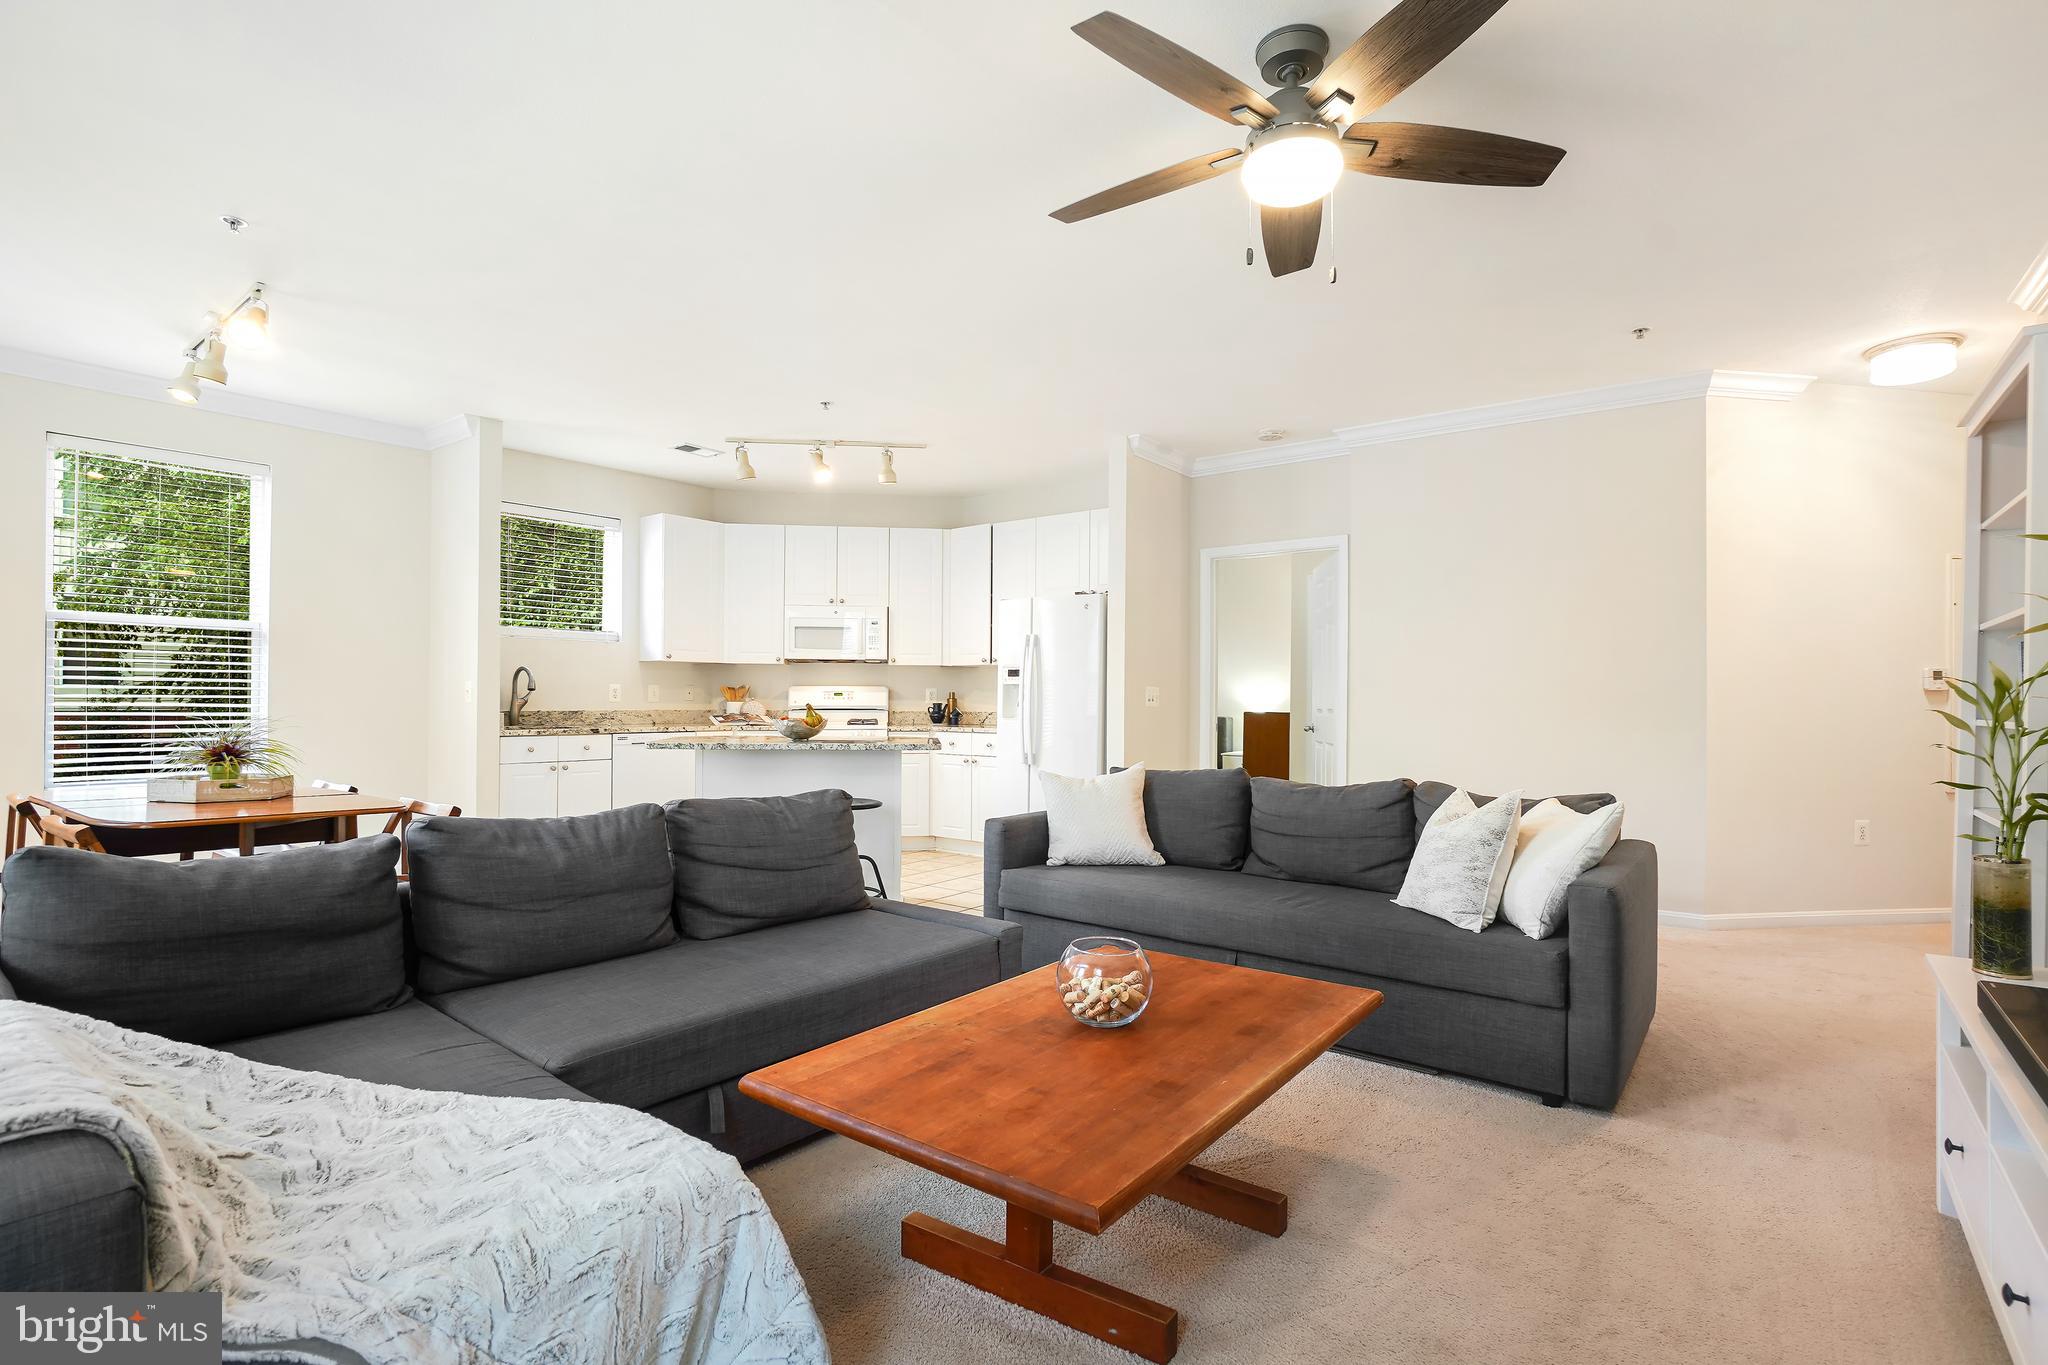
[1104, 982]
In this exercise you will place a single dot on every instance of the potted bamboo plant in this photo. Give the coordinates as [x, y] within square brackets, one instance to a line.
[2003, 747]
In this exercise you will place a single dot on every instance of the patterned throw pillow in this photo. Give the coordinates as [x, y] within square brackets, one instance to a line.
[1097, 821]
[1461, 861]
[1556, 844]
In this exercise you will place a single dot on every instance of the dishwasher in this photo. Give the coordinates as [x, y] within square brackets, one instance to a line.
[641, 773]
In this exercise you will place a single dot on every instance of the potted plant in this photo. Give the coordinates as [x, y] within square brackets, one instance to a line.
[229, 753]
[2003, 747]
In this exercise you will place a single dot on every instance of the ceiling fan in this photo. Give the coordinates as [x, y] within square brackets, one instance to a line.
[1306, 133]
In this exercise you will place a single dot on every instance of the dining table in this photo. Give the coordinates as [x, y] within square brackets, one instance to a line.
[127, 822]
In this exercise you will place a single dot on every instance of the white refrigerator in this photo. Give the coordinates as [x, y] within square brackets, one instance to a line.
[1051, 670]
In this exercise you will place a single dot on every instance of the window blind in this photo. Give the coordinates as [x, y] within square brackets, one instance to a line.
[557, 571]
[153, 617]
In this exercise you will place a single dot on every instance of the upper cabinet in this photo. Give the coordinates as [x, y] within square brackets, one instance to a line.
[967, 594]
[754, 558]
[1098, 549]
[917, 569]
[836, 566]
[1061, 555]
[1015, 559]
[682, 589]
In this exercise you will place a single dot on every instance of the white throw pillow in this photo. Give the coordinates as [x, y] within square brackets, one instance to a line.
[1461, 861]
[1556, 844]
[1098, 821]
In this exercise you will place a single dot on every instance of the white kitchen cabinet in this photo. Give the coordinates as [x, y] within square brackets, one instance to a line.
[971, 786]
[952, 796]
[917, 573]
[526, 791]
[810, 566]
[1060, 555]
[1014, 554]
[966, 633]
[583, 787]
[550, 775]
[1098, 549]
[682, 589]
[753, 594]
[917, 796]
[863, 562]
[1000, 789]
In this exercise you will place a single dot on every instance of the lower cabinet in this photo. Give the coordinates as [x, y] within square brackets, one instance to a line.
[965, 791]
[917, 796]
[952, 797]
[530, 791]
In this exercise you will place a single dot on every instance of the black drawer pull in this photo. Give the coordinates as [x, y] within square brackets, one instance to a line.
[2005, 1292]
[1950, 1147]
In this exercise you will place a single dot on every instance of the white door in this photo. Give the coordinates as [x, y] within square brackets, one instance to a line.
[1000, 788]
[1061, 554]
[1325, 672]
[810, 572]
[864, 566]
[952, 795]
[753, 594]
[1014, 551]
[917, 573]
[526, 791]
[584, 788]
[1098, 549]
[917, 795]
[967, 597]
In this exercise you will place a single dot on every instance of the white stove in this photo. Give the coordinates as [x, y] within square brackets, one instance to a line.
[849, 712]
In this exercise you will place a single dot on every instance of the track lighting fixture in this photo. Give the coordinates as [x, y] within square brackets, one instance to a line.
[820, 471]
[185, 388]
[815, 447]
[248, 324]
[210, 358]
[888, 474]
[743, 467]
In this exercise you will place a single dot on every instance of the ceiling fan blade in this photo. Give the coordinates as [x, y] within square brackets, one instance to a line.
[1172, 67]
[1178, 176]
[1400, 49]
[1452, 156]
[1290, 237]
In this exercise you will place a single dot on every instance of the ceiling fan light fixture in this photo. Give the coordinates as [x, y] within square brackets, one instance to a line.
[743, 468]
[1914, 359]
[185, 388]
[820, 471]
[1292, 164]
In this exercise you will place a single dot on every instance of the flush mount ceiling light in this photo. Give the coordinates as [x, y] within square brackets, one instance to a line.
[1914, 359]
[248, 324]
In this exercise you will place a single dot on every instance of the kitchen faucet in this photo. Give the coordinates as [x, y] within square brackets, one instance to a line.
[520, 699]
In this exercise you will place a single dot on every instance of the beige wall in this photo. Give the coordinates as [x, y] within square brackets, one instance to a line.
[348, 623]
[1151, 617]
[463, 494]
[1829, 524]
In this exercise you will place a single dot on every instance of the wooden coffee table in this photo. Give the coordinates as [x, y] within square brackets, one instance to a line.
[1003, 1091]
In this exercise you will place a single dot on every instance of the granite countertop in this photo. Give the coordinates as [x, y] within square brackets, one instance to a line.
[775, 741]
[937, 730]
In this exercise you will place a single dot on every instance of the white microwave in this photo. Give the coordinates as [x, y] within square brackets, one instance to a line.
[825, 633]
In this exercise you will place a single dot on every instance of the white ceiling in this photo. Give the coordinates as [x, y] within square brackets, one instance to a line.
[620, 226]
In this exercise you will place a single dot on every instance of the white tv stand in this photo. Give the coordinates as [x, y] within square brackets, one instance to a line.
[1991, 1160]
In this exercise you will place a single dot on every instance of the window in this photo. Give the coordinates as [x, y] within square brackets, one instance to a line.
[154, 619]
[558, 573]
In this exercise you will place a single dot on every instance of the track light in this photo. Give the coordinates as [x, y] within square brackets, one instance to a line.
[210, 360]
[888, 474]
[815, 447]
[820, 471]
[249, 325]
[744, 469]
[185, 388]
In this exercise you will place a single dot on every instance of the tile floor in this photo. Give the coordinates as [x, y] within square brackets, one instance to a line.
[952, 880]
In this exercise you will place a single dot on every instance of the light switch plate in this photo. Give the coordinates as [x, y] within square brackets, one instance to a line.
[1151, 696]
[654, 692]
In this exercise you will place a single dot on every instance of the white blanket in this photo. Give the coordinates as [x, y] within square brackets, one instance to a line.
[418, 1228]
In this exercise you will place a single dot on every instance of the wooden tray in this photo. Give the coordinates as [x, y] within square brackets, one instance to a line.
[200, 790]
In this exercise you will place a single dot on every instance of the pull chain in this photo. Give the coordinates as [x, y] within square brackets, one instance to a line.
[1251, 229]
[1331, 227]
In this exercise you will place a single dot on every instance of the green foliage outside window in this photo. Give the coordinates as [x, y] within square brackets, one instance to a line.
[551, 575]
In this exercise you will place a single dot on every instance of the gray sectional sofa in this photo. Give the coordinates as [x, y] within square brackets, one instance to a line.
[1300, 879]
[648, 956]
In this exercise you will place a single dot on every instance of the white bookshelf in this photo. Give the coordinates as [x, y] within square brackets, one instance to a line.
[2008, 460]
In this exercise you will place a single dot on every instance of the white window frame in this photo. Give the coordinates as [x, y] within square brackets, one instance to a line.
[258, 624]
[614, 571]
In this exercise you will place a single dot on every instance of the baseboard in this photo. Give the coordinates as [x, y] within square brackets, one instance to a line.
[926, 843]
[1801, 919]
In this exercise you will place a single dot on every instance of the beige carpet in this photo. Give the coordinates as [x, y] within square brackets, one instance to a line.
[1764, 1193]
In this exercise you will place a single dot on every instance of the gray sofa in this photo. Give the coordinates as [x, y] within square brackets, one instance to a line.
[647, 956]
[1292, 878]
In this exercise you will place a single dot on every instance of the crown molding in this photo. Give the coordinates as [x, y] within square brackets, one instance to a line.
[79, 375]
[2031, 293]
[448, 431]
[1777, 388]
[1152, 452]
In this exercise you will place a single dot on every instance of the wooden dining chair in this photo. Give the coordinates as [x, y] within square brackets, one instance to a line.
[64, 834]
[401, 820]
[22, 821]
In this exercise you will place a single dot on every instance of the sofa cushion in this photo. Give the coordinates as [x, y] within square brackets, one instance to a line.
[1360, 836]
[212, 949]
[745, 863]
[497, 899]
[1200, 818]
[1430, 795]
[648, 1028]
[1329, 926]
[415, 1046]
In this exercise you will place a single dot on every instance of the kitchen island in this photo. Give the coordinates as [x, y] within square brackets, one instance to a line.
[769, 765]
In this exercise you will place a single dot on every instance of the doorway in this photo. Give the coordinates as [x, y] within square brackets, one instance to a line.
[1274, 651]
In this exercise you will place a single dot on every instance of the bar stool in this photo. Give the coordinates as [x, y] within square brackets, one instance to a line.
[879, 889]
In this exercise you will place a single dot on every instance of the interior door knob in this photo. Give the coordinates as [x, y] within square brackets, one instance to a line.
[2005, 1292]
[1950, 1147]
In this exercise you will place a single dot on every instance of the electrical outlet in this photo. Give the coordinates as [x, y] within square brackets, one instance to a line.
[1151, 696]
[615, 692]
[689, 694]
[931, 694]
[653, 692]
[468, 693]
[1861, 837]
